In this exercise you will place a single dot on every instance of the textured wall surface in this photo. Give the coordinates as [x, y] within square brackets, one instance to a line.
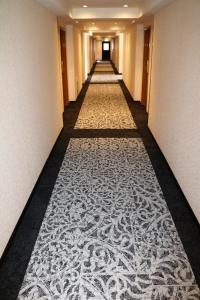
[129, 58]
[139, 55]
[116, 52]
[31, 103]
[70, 49]
[98, 50]
[174, 117]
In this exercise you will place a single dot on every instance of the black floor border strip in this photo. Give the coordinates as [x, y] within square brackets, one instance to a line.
[93, 68]
[104, 133]
[185, 221]
[104, 82]
[104, 72]
[115, 69]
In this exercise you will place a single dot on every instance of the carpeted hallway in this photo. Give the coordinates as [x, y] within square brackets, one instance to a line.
[107, 232]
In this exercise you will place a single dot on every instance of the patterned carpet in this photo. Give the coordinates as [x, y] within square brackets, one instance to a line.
[107, 233]
[104, 68]
[106, 78]
[105, 107]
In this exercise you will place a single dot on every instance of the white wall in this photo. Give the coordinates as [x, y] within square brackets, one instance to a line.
[174, 113]
[72, 93]
[129, 58]
[86, 54]
[121, 52]
[98, 50]
[112, 44]
[31, 103]
[139, 54]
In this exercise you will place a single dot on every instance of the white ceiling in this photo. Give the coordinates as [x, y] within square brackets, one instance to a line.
[64, 7]
[105, 3]
[105, 13]
[108, 16]
[104, 26]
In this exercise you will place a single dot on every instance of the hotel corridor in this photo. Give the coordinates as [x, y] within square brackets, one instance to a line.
[107, 232]
[99, 154]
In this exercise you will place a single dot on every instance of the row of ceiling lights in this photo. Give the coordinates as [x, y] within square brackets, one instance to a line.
[85, 6]
[94, 23]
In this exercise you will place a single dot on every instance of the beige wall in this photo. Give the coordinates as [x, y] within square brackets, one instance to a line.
[112, 44]
[31, 103]
[75, 66]
[174, 113]
[86, 54]
[133, 57]
[98, 50]
[121, 52]
[70, 52]
[129, 58]
[78, 59]
[116, 52]
[139, 57]
[92, 53]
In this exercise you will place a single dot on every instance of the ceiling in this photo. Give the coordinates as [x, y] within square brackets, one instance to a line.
[98, 27]
[102, 17]
[104, 3]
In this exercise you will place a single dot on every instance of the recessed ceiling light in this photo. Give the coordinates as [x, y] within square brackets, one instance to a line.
[125, 5]
[85, 6]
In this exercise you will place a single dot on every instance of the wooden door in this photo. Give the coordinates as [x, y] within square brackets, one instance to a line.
[64, 67]
[147, 34]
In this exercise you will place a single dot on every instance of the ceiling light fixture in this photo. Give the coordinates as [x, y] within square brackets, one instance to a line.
[85, 6]
[125, 5]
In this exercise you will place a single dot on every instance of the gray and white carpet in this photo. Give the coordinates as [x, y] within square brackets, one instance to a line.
[103, 68]
[106, 78]
[107, 232]
[105, 107]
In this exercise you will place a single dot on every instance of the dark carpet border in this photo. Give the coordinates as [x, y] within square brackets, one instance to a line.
[103, 133]
[104, 82]
[115, 69]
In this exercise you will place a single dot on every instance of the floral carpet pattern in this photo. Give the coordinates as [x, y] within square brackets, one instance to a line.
[104, 68]
[105, 78]
[105, 107]
[107, 232]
